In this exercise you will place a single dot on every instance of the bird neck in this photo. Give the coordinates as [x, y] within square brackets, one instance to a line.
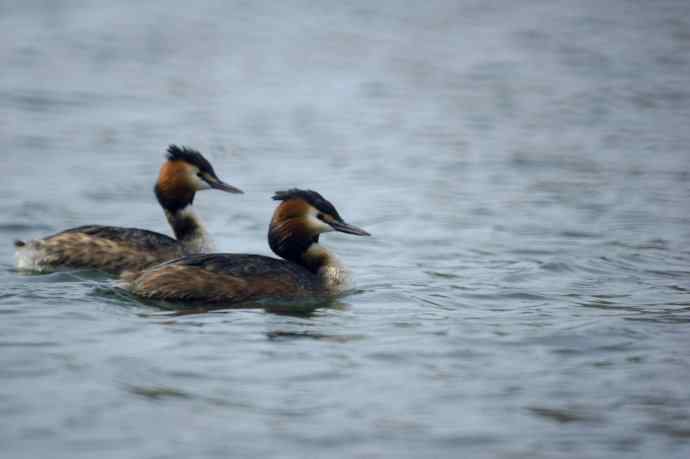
[189, 230]
[289, 240]
[177, 202]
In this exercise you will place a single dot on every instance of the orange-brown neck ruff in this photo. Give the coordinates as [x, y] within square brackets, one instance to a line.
[288, 235]
[175, 193]
[173, 189]
[292, 208]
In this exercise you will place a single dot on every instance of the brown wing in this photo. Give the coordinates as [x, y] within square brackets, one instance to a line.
[134, 237]
[106, 248]
[223, 278]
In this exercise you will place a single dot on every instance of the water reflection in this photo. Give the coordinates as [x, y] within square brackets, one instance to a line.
[297, 308]
[278, 335]
[568, 415]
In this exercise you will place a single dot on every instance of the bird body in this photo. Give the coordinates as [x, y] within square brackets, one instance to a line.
[307, 268]
[115, 249]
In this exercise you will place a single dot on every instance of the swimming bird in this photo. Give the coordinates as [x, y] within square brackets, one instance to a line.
[114, 249]
[307, 268]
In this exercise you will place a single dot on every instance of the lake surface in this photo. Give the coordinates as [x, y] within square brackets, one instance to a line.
[524, 168]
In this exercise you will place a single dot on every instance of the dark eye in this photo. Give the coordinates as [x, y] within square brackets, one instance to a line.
[320, 216]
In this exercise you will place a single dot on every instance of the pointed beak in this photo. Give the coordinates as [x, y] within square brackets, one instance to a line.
[347, 228]
[218, 184]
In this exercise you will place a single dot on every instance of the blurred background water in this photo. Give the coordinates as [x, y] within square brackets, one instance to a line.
[523, 167]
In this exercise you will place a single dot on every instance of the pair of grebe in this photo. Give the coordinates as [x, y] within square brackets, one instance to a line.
[156, 266]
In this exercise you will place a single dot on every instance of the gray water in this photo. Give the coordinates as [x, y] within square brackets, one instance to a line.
[523, 167]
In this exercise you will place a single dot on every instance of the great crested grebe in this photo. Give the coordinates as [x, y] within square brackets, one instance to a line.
[114, 249]
[307, 269]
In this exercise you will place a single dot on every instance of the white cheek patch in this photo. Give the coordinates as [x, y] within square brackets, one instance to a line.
[199, 183]
[316, 225]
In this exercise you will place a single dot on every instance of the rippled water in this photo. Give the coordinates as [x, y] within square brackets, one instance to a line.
[523, 167]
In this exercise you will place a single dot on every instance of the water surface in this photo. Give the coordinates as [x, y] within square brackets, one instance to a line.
[523, 168]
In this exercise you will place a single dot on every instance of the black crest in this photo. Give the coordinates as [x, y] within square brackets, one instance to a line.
[191, 156]
[310, 196]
